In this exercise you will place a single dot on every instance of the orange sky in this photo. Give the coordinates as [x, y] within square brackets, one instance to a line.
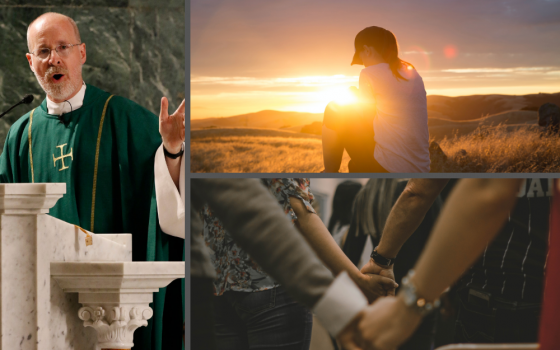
[295, 56]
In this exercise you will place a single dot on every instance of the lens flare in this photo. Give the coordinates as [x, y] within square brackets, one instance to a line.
[418, 56]
[316, 101]
[450, 51]
[343, 97]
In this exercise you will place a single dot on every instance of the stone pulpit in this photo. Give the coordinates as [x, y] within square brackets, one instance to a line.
[62, 287]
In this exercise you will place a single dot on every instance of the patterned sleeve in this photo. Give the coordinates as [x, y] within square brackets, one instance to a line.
[285, 188]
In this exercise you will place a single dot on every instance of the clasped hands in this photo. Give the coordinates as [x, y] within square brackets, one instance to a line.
[377, 281]
[385, 324]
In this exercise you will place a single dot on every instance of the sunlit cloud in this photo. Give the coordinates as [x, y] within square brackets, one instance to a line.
[320, 80]
[249, 94]
[297, 101]
[420, 57]
[479, 54]
[498, 90]
[213, 96]
[289, 81]
[414, 52]
[497, 70]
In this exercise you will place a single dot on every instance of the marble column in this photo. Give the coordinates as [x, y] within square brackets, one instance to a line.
[35, 313]
[22, 210]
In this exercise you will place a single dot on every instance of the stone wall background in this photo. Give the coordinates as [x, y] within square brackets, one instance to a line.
[135, 49]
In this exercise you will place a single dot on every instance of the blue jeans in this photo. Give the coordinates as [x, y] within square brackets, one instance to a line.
[202, 314]
[356, 135]
[261, 320]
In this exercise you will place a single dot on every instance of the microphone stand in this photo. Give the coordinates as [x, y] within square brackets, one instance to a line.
[26, 100]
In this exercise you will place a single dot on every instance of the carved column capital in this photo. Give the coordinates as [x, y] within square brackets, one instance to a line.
[115, 325]
[115, 295]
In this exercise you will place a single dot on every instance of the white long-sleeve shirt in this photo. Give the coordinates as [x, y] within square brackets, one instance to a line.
[401, 121]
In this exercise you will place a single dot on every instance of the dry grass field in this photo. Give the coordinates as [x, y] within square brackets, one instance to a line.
[503, 148]
[502, 139]
[256, 151]
[500, 150]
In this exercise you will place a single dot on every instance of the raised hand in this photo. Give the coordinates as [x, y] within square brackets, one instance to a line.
[375, 286]
[372, 268]
[172, 127]
[386, 324]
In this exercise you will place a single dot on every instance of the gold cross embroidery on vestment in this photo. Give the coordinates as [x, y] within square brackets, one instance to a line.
[62, 156]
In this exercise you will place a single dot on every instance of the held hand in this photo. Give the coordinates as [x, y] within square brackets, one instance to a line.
[387, 324]
[172, 127]
[372, 268]
[375, 286]
[348, 337]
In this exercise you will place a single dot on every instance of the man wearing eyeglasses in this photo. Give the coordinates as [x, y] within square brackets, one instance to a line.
[103, 147]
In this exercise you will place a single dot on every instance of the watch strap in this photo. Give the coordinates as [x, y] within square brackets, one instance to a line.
[174, 155]
[381, 260]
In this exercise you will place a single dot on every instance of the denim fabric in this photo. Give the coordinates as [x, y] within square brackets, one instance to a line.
[261, 320]
[202, 335]
[424, 336]
[356, 134]
[479, 323]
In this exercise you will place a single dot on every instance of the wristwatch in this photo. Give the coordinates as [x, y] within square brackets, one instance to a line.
[381, 260]
[411, 299]
[174, 155]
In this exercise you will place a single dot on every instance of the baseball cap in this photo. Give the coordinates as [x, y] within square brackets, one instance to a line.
[367, 36]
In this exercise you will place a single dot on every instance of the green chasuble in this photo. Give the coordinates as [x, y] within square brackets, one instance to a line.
[104, 152]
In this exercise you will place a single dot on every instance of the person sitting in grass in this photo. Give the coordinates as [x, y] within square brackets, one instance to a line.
[387, 130]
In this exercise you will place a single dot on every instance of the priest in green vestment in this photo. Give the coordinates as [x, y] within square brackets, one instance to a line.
[103, 147]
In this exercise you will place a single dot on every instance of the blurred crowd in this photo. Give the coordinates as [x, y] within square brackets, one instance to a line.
[407, 264]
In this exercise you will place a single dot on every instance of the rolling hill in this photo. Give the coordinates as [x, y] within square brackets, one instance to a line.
[477, 106]
[463, 112]
[267, 119]
[512, 120]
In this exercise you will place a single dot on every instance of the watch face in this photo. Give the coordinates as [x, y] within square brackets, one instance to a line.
[408, 295]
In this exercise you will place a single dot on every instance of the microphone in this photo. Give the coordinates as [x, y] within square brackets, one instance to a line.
[26, 100]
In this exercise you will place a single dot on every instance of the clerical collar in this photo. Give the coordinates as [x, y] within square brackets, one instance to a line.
[55, 108]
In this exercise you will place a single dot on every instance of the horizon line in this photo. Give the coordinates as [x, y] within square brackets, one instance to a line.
[281, 111]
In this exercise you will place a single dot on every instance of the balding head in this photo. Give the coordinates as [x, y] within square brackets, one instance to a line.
[48, 18]
[59, 71]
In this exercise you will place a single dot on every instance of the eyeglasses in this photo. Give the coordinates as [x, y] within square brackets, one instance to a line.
[62, 50]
